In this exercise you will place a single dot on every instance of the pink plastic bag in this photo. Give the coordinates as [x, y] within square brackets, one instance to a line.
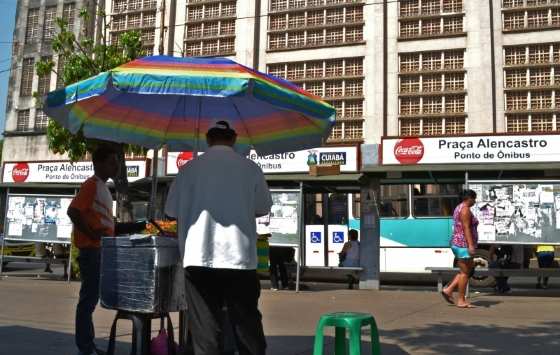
[164, 344]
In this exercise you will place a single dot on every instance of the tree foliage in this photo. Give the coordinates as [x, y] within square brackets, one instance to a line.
[84, 57]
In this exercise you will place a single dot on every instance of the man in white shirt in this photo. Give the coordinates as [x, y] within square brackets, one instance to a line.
[215, 199]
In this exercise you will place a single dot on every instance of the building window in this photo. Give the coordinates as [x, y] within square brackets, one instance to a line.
[315, 38]
[277, 22]
[452, 6]
[133, 21]
[334, 89]
[517, 123]
[335, 16]
[430, 7]
[68, 14]
[44, 84]
[27, 70]
[431, 27]
[227, 28]
[410, 84]
[516, 78]
[454, 60]
[296, 71]
[277, 41]
[537, 18]
[354, 14]
[211, 11]
[409, 8]
[296, 39]
[32, 26]
[432, 126]
[455, 126]
[210, 47]
[316, 88]
[409, 28]
[432, 105]
[409, 106]
[410, 127]
[134, 4]
[454, 82]
[431, 83]
[353, 130]
[49, 25]
[149, 20]
[540, 77]
[512, 4]
[334, 68]
[41, 120]
[354, 34]
[516, 101]
[431, 61]
[353, 67]
[22, 121]
[542, 122]
[195, 13]
[278, 5]
[296, 20]
[539, 54]
[409, 62]
[211, 29]
[453, 25]
[455, 104]
[194, 49]
[514, 20]
[541, 100]
[354, 88]
[353, 109]
[228, 10]
[515, 55]
[315, 18]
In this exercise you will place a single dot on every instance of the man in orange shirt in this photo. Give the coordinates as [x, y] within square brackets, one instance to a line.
[92, 216]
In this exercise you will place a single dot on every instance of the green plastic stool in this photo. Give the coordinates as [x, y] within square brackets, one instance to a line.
[354, 323]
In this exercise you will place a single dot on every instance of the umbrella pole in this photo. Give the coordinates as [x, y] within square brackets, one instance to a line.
[153, 193]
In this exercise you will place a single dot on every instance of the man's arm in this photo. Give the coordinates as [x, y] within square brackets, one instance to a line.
[79, 222]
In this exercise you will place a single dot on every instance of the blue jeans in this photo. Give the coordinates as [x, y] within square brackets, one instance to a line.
[89, 261]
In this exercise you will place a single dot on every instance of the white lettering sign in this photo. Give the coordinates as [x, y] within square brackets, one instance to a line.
[62, 172]
[472, 149]
[290, 162]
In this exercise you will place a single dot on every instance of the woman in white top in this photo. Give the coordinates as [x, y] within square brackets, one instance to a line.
[351, 250]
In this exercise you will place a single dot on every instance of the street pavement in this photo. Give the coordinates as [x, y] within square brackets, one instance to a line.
[37, 317]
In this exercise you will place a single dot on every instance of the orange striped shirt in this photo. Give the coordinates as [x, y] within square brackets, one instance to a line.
[95, 203]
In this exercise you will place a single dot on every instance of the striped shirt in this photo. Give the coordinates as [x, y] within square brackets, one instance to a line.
[95, 203]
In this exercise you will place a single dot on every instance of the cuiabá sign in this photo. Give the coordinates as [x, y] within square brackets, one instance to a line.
[61, 172]
[471, 149]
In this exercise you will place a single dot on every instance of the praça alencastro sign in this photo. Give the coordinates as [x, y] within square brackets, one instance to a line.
[471, 149]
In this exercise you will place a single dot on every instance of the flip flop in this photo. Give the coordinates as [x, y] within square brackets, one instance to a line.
[447, 298]
[467, 306]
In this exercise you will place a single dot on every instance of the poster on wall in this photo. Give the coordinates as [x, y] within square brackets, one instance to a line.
[39, 218]
[282, 222]
[517, 212]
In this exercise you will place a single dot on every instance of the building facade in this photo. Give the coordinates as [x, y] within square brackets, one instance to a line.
[390, 68]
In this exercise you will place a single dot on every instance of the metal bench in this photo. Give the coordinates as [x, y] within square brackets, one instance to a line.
[352, 273]
[496, 272]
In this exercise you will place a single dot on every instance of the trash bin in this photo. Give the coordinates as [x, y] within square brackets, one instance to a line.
[142, 274]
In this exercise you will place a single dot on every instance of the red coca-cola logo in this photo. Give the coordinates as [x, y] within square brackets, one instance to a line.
[20, 172]
[183, 158]
[409, 150]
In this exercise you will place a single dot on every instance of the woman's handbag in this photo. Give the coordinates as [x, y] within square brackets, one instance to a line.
[164, 343]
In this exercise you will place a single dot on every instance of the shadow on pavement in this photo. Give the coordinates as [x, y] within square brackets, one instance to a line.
[303, 345]
[27, 341]
[460, 338]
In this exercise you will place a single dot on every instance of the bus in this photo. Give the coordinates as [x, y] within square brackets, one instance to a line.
[415, 221]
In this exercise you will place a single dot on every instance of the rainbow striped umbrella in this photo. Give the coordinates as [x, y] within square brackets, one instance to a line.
[163, 100]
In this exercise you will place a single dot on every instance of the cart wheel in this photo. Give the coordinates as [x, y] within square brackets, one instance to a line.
[482, 259]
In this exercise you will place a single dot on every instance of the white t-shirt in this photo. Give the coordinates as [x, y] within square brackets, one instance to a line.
[215, 199]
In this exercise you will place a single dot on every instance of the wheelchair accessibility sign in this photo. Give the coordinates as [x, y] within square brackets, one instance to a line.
[315, 237]
[338, 237]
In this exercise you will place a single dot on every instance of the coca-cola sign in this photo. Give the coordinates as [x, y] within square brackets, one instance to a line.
[409, 150]
[20, 172]
[183, 158]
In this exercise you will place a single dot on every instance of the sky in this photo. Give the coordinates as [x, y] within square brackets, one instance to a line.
[8, 11]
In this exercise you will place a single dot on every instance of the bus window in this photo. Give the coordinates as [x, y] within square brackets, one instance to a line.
[338, 208]
[393, 201]
[435, 200]
[313, 209]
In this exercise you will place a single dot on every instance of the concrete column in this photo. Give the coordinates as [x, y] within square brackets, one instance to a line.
[369, 234]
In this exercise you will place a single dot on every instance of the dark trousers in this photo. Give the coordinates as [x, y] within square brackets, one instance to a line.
[545, 259]
[278, 266]
[89, 261]
[208, 290]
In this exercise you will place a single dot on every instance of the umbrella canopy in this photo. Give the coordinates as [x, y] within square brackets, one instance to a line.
[160, 100]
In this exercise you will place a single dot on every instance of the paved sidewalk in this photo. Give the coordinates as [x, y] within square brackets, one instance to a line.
[36, 317]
